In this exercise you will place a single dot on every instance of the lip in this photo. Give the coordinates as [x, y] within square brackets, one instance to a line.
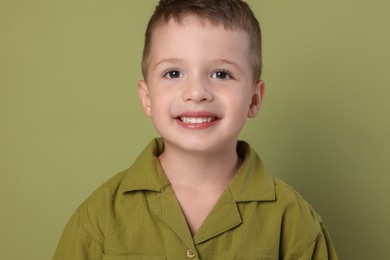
[197, 120]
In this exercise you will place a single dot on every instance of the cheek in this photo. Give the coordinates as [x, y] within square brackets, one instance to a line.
[160, 104]
[237, 111]
[244, 108]
[239, 101]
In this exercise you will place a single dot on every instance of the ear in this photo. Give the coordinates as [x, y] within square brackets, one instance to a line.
[143, 93]
[257, 98]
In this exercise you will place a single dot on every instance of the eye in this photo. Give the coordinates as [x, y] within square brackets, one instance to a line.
[221, 74]
[173, 74]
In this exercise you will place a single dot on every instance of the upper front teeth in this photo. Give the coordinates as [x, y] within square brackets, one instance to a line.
[196, 120]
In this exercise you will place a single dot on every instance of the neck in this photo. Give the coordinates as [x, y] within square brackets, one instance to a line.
[200, 169]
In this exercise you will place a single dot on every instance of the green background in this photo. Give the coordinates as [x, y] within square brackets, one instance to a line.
[70, 116]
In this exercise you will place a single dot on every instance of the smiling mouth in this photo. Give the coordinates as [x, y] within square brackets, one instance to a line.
[197, 120]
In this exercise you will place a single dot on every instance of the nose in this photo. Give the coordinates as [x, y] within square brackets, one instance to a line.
[197, 90]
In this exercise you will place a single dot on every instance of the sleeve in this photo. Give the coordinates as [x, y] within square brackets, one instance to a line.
[320, 249]
[78, 244]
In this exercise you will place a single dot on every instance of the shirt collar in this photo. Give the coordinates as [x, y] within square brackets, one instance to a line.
[250, 184]
[146, 172]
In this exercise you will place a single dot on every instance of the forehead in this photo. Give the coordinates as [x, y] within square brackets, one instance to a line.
[193, 37]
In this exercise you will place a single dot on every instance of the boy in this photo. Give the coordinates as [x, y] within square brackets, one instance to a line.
[197, 192]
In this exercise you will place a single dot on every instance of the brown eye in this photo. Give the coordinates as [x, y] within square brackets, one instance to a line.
[173, 74]
[221, 74]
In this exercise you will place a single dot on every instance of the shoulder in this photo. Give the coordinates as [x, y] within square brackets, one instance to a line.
[105, 193]
[295, 208]
[93, 211]
[288, 195]
[125, 189]
[301, 226]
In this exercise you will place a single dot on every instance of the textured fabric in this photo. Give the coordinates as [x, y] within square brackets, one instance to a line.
[135, 215]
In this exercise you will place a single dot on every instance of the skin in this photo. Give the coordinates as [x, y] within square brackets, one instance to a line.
[198, 92]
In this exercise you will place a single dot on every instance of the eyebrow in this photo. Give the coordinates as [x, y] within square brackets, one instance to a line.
[171, 60]
[223, 61]
[219, 62]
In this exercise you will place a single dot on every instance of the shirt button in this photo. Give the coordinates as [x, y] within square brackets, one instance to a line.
[190, 254]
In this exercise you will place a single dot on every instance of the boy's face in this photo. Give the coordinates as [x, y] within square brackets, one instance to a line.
[199, 88]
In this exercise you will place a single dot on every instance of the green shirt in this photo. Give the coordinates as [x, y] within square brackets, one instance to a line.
[135, 215]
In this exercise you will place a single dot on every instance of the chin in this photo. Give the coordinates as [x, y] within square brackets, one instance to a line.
[199, 145]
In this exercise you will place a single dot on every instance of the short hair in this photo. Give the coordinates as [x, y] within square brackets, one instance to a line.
[232, 14]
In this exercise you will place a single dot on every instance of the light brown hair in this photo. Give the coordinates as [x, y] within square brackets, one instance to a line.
[232, 14]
